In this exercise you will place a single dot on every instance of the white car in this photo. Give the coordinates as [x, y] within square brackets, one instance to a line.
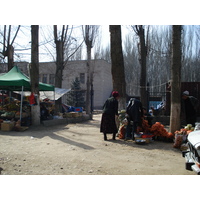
[192, 155]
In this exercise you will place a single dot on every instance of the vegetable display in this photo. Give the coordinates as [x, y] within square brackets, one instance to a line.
[181, 135]
[156, 129]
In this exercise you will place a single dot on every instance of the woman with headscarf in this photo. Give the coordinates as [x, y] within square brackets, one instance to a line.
[110, 110]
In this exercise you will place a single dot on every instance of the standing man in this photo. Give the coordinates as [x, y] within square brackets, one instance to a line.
[135, 114]
[189, 108]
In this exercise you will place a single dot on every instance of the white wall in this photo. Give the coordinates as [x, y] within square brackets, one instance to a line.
[102, 83]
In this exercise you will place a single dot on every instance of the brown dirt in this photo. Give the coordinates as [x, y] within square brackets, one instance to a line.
[79, 149]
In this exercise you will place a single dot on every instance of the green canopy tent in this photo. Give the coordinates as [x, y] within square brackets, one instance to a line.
[15, 80]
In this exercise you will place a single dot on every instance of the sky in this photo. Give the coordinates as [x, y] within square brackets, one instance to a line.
[103, 13]
[22, 43]
[24, 38]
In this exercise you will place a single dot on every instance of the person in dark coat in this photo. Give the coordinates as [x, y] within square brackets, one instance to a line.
[189, 108]
[147, 116]
[134, 111]
[110, 111]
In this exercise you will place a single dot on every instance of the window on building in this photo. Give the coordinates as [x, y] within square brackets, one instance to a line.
[82, 78]
[51, 79]
[44, 78]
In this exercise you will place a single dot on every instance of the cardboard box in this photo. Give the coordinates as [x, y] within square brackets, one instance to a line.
[68, 114]
[75, 114]
[7, 126]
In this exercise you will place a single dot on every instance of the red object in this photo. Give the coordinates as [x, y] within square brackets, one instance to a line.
[115, 94]
[32, 99]
[147, 136]
[122, 132]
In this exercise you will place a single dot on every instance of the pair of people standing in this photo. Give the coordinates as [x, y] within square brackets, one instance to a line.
[110, 111]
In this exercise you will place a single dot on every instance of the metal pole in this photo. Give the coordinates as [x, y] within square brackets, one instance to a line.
[22, 94]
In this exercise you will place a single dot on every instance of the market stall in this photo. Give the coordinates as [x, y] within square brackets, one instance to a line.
[145, 132]
[15, 80]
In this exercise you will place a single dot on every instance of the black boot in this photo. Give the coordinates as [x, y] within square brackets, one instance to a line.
[114, 135]
[105, 136]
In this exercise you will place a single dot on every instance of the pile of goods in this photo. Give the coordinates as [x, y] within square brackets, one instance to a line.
[18, 127]
[181, 137]
[11, 125]
[122, 124]
[157, 130]
[71, 112]
[145, 128]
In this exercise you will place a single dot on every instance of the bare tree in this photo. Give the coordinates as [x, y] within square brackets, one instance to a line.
[89, 33]
[63, 40]
[175, 79]
[132, 66]
[159, 60]
[142, 48]
[118, 73]
[8, 49]
[59, 41]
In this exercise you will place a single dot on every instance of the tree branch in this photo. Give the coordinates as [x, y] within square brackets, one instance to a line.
[15, 35]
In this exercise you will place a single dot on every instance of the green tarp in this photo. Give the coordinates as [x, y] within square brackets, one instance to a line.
[15, 79]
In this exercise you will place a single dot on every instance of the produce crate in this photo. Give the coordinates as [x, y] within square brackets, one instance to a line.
[68, 114]
[7, 126]
[75, 114]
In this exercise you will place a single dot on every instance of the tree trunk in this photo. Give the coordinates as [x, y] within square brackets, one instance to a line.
[143, 82]
[175, 79]
[89, 79]
[34, 73]
[10, 54]
[59, 71]
[89, 33]
[118, 73]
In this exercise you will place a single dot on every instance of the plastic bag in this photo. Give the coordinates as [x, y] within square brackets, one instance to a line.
[122, 132]
[178, 140]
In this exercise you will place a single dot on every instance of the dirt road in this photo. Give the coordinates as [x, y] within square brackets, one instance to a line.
[79, 149]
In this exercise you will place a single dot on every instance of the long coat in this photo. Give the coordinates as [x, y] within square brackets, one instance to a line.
[189, 108]
[110, 109]
[134, 110]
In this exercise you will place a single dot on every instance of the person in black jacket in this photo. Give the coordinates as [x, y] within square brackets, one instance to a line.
[189, 108]
[110, 111]
[134, 111]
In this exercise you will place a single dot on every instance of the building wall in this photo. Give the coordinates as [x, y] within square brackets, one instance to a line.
[102, 83]
[22, 65]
